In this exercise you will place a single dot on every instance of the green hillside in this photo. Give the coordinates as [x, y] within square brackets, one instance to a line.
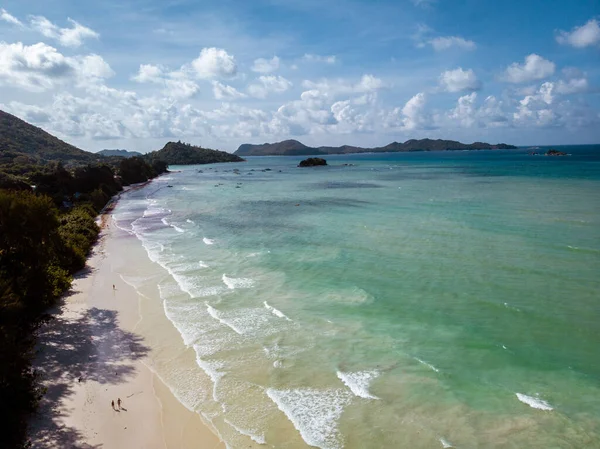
[21, 142]
[178, 153]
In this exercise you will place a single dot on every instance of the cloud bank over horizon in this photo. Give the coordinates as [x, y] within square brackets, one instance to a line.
[137, 79]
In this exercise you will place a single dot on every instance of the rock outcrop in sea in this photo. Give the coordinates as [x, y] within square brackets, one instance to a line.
[312, 162]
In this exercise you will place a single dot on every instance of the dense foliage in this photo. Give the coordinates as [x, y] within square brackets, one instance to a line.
[47, 227]
[136, 169]
[39, 249]
[178, 153]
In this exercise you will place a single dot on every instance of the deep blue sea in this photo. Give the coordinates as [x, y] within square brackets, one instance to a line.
[399, 300]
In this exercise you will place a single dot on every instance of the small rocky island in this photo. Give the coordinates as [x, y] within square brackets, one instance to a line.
[312, 162]
[553, 152]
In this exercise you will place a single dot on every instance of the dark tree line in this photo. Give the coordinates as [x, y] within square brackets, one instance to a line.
[47, 228]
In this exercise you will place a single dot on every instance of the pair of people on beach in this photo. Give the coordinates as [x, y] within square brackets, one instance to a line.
[112, 403]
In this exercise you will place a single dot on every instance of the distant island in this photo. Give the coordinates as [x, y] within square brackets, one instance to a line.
[553, 152]
[119, 153]
[178, 153]
[295, 148]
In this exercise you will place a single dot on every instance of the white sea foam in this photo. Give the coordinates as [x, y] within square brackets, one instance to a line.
[202, 264]
[233, 283]
[217, 316]
[212, 368]
[445, 443]
[258, 438]
[154, 211]
[429, 365]
[276, 312]
[359, 382]
[190, 221]
[168, 223]
[192, 287]
[208, 241]
[314, 413]
[250, 321]
[534, 402]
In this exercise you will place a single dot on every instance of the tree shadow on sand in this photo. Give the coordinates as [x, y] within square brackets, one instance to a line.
[74, 351]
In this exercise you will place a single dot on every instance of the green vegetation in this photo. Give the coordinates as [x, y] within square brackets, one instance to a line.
[25, 144]
[50, 194]
[39, 250]
[178, 153]
[47, 227]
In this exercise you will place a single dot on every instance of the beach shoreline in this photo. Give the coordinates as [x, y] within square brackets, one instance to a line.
[91, 353]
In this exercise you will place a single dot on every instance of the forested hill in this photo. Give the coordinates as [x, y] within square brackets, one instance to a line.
[295, 148]
[178, 153]
[34, 145]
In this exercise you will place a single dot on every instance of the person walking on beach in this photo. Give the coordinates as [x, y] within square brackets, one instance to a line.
[113, 286]
[119, 403]
[112, 403]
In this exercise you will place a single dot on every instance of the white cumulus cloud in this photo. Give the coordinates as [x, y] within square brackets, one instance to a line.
[94, 66]
[7, 17]
[465, 110]
[262, 65]
[572, 86]
[149, 73]
[69, 37]
[459, 80]
[534, 68]
[268, 84]
[447, 42]
[586, 35]
[214, 62]
[327, 88]
[225, 92]
[318, 58]
[179, 85]
[40, 67]
[413, 112]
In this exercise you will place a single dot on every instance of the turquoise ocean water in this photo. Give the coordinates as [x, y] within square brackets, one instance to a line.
[416, 300]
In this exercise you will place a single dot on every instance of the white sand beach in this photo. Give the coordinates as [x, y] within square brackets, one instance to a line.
[91, 353]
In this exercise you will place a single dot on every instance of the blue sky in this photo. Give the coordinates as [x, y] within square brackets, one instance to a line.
[136, 74]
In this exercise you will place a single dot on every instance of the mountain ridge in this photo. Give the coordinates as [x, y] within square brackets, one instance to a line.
[119, 153]
[293, 147]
